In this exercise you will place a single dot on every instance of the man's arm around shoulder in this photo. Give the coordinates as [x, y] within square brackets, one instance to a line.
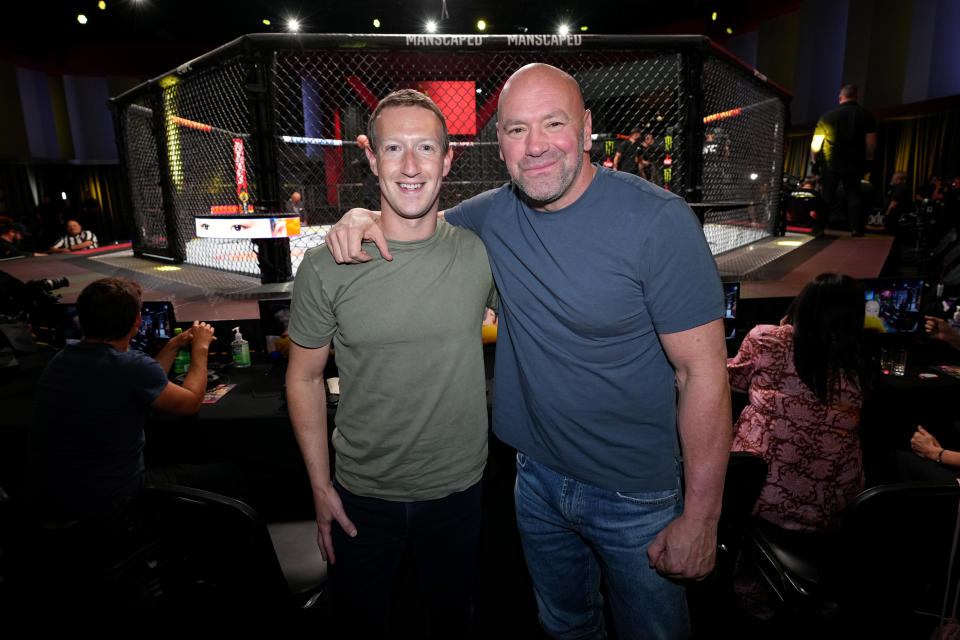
[686, 548]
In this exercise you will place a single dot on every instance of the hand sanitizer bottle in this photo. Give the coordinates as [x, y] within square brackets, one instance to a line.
[241, 350]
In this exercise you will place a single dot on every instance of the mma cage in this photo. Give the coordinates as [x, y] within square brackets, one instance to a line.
[233, 133]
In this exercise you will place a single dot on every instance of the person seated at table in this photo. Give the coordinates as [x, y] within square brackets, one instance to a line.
[940, 329]
[805, 380]
[939, 463]
[925, 444]
[77, 239]
[85, 446]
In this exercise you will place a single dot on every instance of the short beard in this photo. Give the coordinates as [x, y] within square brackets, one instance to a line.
[562, 188]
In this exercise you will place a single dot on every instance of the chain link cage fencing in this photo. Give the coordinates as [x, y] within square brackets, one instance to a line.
[238, 131]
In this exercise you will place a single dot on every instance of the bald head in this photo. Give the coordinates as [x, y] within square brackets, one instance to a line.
[536, 74]
[544, 135]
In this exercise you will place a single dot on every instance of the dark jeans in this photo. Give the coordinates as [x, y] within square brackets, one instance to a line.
[829, 181]
[442, 535]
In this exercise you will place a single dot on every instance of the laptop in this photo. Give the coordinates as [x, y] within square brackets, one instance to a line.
[892, 305]
[156, 327]
[731, 295]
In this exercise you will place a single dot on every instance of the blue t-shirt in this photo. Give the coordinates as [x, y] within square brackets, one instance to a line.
[85, 448]
[582, 383]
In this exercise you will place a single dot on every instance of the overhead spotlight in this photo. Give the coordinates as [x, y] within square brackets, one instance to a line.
[479, 90]
[101, 5]
[584, 28]
[754, 176]
[713, 16]
[431, 26]
[729, 31]
[266, 22]
[563, 29]
[481, 25]
[376, 23]
[293, 25]
[82, 19]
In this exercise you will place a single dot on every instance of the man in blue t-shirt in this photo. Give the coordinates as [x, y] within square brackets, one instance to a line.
[610, 343]
[85, 446]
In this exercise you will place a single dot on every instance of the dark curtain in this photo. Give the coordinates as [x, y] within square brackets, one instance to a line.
[24, 185]
[921, 146]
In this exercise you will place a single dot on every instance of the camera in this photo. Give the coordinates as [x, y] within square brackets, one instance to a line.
[20, 300]
[49, 284]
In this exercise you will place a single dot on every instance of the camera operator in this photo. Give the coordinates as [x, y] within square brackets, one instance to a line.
[11, 235]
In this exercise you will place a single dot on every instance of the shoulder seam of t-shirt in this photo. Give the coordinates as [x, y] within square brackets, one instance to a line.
[643, 186]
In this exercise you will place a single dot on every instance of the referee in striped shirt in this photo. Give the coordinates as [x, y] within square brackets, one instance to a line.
[76, 239]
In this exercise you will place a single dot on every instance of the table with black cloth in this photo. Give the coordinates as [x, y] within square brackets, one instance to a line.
[247, 430]
[247, 435]
[895, 406]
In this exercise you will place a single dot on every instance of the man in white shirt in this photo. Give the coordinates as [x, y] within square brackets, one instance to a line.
[76, 239]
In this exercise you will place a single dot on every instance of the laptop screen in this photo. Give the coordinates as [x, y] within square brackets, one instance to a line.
[892, 305]
[274, 319]
[731, 294]
[156, 327]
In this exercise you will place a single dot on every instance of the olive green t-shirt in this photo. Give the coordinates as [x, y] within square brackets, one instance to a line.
[412, 419]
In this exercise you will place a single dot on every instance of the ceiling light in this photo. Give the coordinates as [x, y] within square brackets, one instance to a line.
[376, 23]
[563, 29]
[729, 31]
[481, 25]
[431, 26]
[293, 25]
[584, 28]
[714, 16]
[82, 19]
[102, 5]
[754, 176]
[266, 22]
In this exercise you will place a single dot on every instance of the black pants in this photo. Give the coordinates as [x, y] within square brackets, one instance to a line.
[830, 180]
[442, 537]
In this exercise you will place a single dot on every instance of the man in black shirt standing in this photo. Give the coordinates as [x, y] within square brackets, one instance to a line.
[845, 139]
[629, 154]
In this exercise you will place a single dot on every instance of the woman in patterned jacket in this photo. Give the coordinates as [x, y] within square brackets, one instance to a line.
[805, 380]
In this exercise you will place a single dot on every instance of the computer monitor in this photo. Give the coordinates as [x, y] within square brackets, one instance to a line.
[274, 320]
[156, 327]
[893, 305]
[731, 295]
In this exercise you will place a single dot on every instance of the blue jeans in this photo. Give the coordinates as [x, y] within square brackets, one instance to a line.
[572, 532]
[442, 535]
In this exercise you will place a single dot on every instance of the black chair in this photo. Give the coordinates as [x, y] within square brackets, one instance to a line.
[884, 568]
[202, 551]
[745, 478]
[711, 599]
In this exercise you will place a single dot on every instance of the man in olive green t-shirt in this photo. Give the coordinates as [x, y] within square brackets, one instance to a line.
[411, 436]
